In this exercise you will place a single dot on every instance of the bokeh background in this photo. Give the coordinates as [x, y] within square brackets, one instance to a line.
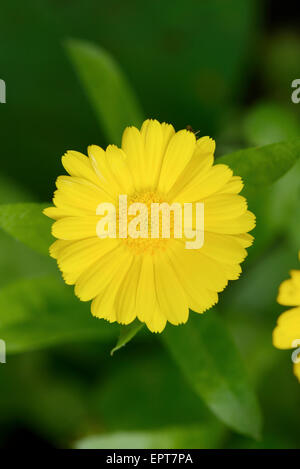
[224, 67]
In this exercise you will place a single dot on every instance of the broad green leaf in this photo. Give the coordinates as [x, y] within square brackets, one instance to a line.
[263, 165]
[284, 205]
[43, 311]
[126, 334]
[27, 223]
[201, 436]
[207, 356]
[107, 88]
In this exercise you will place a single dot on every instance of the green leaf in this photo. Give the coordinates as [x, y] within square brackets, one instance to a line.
[43, 311]
[284, 205]
[27, 223]
[200, 436]
[263, 165]
[18, 261]
[207, 356]
[126, 334]
[107, 88]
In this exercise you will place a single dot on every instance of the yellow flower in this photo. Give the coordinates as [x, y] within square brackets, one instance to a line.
[286, 335]
[154, 280]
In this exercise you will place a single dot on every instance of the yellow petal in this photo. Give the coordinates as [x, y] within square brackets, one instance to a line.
[78, 256]
[233, 186]
[79, 193]
[245, 239]
[73, 228]
[242, 224]
[178, 153]
[78, 165]
[133, 146]
[232, 271]
[156, 138]
[58, 246]
[199, 297]
[158, 321]
[68, 211]
[146, 301]
[297, 370]
[168, 132]
[205, 271]
[104, 305]
[197, 168]
[171, 298]
[205, 145]
[118, 164]
[126, 296]
[152, 136]
[73, 267]
[224, 206]
[223, 248]
[287, 329]
[289, 290]
[100, 165]
[70, 277]
[93, 281]
[201, 187]
[146, 294]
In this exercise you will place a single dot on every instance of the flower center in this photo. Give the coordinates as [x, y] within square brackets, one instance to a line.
[148, 223]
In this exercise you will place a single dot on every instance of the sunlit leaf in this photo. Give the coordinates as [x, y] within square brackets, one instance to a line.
[26, 223]
[263, 165]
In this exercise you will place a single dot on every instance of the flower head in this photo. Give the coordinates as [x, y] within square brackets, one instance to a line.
[153, 278]
[286, 335]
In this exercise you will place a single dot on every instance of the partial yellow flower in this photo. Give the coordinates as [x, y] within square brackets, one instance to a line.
[154, 280]
[286, 335]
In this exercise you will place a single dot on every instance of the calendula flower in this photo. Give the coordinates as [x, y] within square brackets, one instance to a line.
[286, 335]
[154, 279]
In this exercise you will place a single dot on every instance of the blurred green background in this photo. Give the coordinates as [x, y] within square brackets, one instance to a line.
[224, 67]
